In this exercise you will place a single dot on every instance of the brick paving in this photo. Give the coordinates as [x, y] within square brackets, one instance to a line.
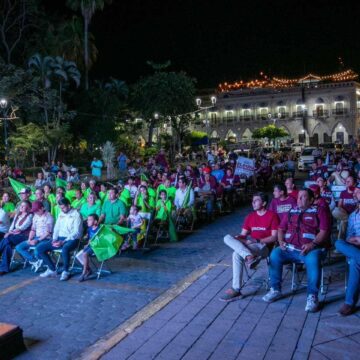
[62, 319]
[196, 325]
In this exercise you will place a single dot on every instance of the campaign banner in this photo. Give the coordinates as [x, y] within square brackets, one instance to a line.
[245, 166]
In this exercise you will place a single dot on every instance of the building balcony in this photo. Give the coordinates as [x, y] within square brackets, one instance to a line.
[283, 115]
[339, 112]
[299, 114]
[247, 118]
[320, 113]
[262, 117]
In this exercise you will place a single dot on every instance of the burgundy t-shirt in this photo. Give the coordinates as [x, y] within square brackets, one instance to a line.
[260, 226]
[282, 207]
[349, 203]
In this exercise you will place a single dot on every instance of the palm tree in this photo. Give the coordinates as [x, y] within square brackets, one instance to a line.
[88, 9]
[43, 67]
[71, 43]
[65, 71]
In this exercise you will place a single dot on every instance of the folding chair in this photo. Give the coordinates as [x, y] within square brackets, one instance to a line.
[162, 231]
[249, 275]
[296, 282]
[148, 218]
[100, 269]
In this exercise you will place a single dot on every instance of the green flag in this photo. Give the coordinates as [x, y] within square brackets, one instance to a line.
[172, 230]
[106, 242]
[143, 177]
[186, 197]
[60, 183]
[17, 186]
[125, 197]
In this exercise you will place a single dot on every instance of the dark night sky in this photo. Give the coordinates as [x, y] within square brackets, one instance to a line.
[228, 40]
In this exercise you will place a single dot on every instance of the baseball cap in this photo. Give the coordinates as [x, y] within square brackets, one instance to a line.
[24, 191]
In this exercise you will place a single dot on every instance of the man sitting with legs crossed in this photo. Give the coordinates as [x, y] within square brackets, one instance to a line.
[258, 232]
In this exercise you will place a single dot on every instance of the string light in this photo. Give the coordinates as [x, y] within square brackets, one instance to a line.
[275, 82]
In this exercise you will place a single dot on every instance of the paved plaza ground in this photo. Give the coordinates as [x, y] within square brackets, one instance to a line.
[172, 293]
[61, 319]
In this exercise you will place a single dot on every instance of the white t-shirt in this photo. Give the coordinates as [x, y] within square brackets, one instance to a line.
[4, 221]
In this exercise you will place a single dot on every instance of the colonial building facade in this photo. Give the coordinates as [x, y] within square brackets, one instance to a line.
[312, 110]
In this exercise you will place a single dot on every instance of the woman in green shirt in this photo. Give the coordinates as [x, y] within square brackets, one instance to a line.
[90, 207]
[163, 207]
[142, 199]
[6, 204]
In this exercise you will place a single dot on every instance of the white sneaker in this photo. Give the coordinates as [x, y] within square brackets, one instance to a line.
[312, 303]
[36, 265]
[65, 275]
[48, 273]
[272, 295]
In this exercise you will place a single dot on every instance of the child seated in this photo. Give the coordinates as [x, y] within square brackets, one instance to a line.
[135, 222]
[93, 227]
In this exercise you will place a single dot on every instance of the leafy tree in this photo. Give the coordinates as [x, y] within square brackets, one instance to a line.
[101, 111]
[28, 139]
[171, 94]
[88, 9]
[270, 132]
[18, 18]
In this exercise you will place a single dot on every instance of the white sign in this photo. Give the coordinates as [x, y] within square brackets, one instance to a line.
[245, 166]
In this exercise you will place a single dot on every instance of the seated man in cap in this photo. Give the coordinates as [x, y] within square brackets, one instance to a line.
[41, 229]
[67, 233]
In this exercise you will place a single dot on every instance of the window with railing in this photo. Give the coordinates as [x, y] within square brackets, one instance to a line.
[247, 115]
[213, 119]
[230, 117]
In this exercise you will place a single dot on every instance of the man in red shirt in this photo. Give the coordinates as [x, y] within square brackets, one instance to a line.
[259, 231]
[303, 237]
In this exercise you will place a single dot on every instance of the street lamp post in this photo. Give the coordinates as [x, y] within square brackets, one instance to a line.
[4, 113]
[206, 109]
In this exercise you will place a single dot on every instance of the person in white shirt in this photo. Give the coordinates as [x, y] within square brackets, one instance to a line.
[17, 233]
[41, 229]
[180, 195]
[67, 233]
[4, 223]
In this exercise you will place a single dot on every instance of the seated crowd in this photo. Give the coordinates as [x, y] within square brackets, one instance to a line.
[294, 227]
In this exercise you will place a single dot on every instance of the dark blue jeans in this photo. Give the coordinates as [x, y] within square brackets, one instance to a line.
[45, 247]
[312, 261]
[352, 253]
[6, 246]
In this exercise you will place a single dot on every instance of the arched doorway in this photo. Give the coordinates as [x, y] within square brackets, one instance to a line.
[231, 136]
[340, 134]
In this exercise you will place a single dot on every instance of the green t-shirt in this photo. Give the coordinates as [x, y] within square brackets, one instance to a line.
[103, 196]
[70, 195]
[9, 207]
[78, 203]
[86, 210]
[113, 211]
[55, 211]
[161, 212]
[144, 208]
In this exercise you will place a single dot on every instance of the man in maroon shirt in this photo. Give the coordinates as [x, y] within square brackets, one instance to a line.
[303, 237]
[291, 188]
[282, 202]
[259, 231]
[346, 205]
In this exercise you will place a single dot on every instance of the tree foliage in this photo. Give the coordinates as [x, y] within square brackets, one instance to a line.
[270, 132]
[171, 95]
